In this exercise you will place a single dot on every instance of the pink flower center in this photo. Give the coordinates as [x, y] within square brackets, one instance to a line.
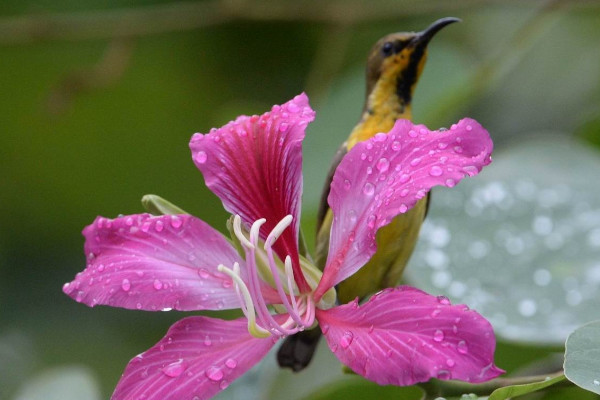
[299, 307]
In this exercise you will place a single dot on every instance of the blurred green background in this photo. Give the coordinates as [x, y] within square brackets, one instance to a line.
[99, 100]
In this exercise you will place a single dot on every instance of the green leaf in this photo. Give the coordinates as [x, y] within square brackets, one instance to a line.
[519, 390]
[158, 206]
[582, 357]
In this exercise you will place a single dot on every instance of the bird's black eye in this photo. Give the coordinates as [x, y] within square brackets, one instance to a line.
[387, 49]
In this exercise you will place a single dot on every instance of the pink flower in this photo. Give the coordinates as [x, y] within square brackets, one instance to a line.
[400, 336]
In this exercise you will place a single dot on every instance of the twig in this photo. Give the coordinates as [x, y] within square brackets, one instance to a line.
[188, 15]
[435, 388]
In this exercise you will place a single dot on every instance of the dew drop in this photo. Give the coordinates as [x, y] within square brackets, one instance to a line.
[403, 208]
[412, 133]
[176, 222]
[450, 362]
[157, 284]
[396, 145]
[159, 226]
[436, 171]
[414, 162]
[450, 182]
[203, 273]
[346, 340]
[230, 363]
[214, 373]
[207, 341]
[224, 385]
[347, 184]
[443, 300]
[458, 149]
[126, 285]
[438, 335]
[200, 157]
[383, 164]
[462, 347]
[444, 374]
[369, 189]
[175, 369]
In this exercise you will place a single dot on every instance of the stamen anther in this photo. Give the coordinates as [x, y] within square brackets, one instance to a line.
[237, 229]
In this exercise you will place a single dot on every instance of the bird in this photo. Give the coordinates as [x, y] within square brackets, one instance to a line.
[394, 66]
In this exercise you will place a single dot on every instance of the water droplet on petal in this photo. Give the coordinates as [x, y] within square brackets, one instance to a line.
[214, 373]
[444, 375]
[207, 341]
[224, 385]
[450, 182]
[436, 171]
[450, 362]
[369, 189]
[438, 335]
[414, 162]
[174, 369]
[157, 284]
[159, 226]
[346, 339]
[462, 347]
[396, 145]
[383, 164]
[126, 285]
[231, 363]
[203, 273]
[200, 157]
[443, 300]
[403, 208]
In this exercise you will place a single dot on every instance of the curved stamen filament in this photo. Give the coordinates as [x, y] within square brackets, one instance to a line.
[260, 321]
[248, 308]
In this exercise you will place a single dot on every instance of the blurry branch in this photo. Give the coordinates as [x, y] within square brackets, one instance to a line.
[328, 61]
[183, 16]
[492, 70]
[106, 72]
[435, 388]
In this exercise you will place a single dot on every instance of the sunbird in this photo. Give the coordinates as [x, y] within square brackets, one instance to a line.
[394, 66]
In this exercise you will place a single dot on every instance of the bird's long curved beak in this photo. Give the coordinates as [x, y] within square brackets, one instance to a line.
[422, 38]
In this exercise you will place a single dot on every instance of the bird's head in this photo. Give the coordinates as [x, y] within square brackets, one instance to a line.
[397, 60]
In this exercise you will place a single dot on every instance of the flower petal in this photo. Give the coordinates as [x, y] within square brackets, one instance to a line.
[385, 176]
[254, 165]
[199, 356]
[402, 336]
[154, 263]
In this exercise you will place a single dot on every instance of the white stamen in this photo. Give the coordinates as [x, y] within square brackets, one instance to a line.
[254, 329]
[290, 278]
[237, 229]
[279, 228]
[255, 230]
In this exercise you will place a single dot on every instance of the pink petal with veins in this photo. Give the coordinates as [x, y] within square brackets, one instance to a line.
[403, 336]
[385, 176]
[199, 356]
[154, 263]
[254, 165]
